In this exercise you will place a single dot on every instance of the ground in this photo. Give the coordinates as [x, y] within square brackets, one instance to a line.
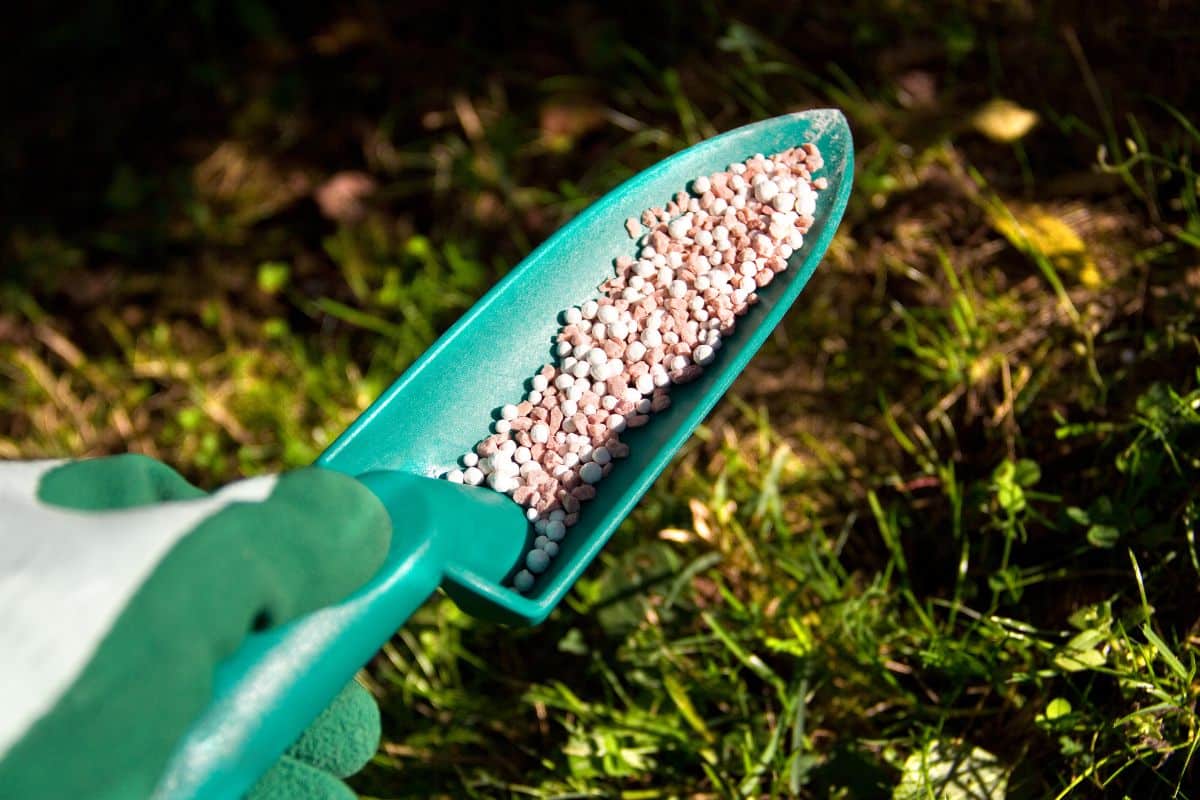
[939, 540]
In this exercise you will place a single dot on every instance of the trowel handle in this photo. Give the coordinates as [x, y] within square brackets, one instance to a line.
[277, 683]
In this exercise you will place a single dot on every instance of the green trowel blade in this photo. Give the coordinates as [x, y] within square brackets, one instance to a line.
[445, 402]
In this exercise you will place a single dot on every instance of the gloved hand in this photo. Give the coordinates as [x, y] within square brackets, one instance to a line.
[122, 586]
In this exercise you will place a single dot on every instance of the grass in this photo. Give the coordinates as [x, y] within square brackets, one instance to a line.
[939, 541]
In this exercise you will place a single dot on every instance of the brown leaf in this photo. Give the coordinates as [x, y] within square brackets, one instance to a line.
[563, 123]
[1003, 120]
[342, 197]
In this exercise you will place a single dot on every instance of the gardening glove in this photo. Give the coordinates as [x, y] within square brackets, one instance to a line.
[122, 586]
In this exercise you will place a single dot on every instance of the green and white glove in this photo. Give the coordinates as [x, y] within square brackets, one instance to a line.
[122, 586]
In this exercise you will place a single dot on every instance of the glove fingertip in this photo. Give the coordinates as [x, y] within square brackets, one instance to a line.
[345, 736]
[358, 515]
[335, 525]
[290, 779]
